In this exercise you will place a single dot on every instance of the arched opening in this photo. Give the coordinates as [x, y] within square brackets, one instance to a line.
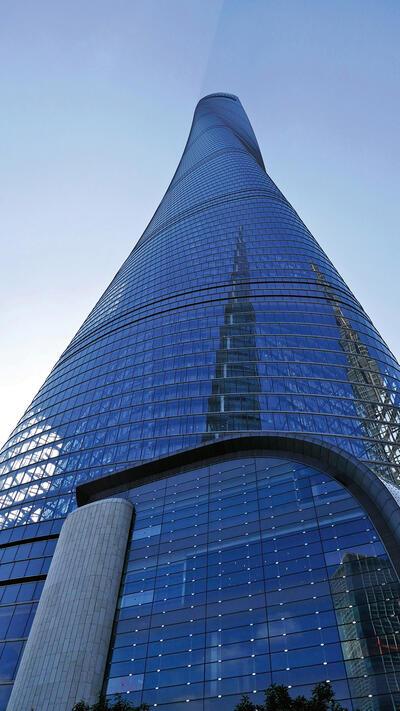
[252, 561]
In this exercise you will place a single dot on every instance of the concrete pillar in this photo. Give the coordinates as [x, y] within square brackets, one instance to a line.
[65, 656]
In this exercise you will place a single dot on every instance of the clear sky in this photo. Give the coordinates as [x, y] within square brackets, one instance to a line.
[97, 98]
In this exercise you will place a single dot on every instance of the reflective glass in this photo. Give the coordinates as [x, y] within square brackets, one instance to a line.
[294, 587]
[227, 317]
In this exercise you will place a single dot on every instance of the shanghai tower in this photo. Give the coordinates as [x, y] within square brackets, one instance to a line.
[218, 448]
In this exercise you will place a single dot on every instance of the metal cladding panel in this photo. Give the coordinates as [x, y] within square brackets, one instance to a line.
[66, 653]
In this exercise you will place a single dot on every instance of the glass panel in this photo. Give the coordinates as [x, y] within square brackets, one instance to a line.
[284, 580]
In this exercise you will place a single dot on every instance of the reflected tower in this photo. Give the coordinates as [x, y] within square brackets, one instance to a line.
[230, 386]
[236, 386]
[373, 398]
[367, 604]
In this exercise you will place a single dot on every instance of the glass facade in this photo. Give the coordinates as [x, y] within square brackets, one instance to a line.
[251, 571]
[226, 318]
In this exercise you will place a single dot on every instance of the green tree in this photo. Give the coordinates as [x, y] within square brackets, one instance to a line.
[245, 704]
[277, 698]
[323, 698]
[119, 704]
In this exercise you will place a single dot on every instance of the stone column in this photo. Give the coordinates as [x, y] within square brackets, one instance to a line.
[65, 656]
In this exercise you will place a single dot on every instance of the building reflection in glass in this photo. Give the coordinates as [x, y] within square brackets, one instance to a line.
[234, 579]
[234, 404]
[366, 595]
[373, 398]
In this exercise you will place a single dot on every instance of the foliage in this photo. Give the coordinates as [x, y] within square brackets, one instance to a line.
[245, 704]
[277, 698]
[104, 705]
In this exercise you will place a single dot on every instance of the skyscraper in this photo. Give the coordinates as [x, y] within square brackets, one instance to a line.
[227, 420]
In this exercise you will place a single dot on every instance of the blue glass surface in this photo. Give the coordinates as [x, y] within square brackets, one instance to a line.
[251, 571]
[227, 317]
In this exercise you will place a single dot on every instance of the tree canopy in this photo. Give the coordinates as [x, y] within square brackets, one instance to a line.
[277, 698]
[105, 705]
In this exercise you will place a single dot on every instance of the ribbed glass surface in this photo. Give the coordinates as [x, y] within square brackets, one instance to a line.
[251, 571]
[227, 317]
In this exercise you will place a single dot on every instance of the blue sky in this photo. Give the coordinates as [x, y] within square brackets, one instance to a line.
[97, 98]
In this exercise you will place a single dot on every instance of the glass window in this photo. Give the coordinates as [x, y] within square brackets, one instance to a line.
[283, 591]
